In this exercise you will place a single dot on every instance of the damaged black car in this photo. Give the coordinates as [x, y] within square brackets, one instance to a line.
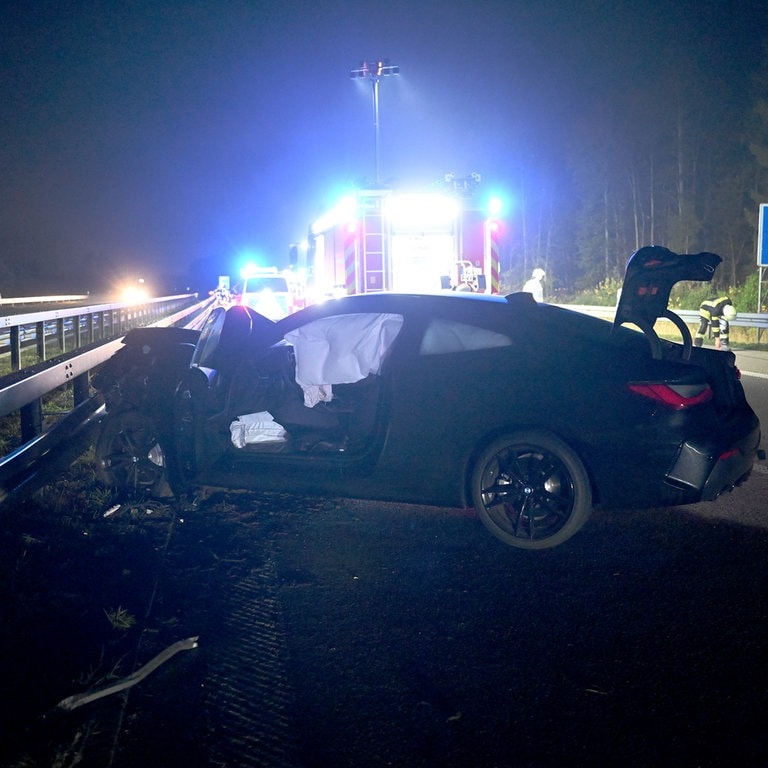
[530, 413]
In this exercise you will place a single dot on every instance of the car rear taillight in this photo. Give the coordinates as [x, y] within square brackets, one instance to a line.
[676, 396]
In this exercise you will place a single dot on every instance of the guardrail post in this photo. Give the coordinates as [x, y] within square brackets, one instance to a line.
[31, 420]
[81, 389]
[40, 339]
[15, 340]
[60, 334]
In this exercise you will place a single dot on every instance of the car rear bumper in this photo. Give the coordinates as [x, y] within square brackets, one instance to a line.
[707, 468]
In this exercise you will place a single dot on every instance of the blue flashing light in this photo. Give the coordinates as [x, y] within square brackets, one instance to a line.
[248, 268]
[495, 206]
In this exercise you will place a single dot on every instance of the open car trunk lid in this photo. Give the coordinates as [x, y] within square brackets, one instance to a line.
[648, 279]
[650, 274]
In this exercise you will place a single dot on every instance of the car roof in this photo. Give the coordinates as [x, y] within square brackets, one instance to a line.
[519, 313]
[458, 304]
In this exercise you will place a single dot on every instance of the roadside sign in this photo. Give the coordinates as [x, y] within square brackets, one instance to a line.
[762, 237]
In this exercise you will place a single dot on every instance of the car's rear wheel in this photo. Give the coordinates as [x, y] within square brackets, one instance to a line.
[531, 490]
[129, 455]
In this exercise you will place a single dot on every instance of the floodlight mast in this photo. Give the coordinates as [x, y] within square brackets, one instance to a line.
[374, 70]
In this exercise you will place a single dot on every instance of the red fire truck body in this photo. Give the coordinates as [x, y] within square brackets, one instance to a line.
[380, 240]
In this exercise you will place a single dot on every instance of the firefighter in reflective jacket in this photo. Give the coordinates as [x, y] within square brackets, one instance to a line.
[715, 313]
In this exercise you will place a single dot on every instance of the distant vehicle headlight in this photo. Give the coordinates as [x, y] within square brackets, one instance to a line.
[134, 293]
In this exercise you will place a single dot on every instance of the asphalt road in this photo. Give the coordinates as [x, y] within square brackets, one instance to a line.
[341, 633]
[640, 643]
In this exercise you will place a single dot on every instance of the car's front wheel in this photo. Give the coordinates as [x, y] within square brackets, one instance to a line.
[531, 490]
[129, 455]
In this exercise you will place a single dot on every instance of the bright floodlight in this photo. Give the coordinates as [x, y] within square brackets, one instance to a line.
[374, 69]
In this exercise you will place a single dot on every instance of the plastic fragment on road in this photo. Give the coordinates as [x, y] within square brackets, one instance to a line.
[78, 699]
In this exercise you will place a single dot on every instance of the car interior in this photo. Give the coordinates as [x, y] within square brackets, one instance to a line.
[252, 393]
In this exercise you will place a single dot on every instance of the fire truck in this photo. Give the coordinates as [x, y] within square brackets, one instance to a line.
[382, 240]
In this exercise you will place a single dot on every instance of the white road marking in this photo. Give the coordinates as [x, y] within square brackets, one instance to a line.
[756, 375]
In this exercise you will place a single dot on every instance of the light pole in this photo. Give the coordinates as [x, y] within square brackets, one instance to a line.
[374, 71]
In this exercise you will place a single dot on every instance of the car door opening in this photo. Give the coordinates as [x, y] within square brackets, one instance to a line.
[324, 393]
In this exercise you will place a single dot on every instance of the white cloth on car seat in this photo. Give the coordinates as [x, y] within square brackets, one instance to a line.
[341, 349]
[256, 428]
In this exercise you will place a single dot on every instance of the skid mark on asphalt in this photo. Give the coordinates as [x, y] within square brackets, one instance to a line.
[249, 694]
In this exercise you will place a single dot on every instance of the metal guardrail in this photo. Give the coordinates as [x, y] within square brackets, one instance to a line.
[80, 325]
[42, 299]
[23, 392]
[758, 320]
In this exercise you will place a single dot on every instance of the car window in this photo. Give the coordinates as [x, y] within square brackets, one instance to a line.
[448, 336]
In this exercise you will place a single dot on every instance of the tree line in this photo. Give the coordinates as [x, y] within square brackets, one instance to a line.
[681, 162]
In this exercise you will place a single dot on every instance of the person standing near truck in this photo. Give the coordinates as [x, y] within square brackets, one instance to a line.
[534, 286]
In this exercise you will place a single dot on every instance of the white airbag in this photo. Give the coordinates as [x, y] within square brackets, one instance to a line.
[340, 350]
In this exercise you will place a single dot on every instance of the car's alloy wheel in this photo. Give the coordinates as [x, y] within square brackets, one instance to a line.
[129, 454]
[531, 490]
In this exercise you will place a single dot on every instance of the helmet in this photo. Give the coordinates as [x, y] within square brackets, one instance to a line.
[729, 312]
[538, 274]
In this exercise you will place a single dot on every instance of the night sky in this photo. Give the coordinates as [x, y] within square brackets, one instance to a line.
[160, 135]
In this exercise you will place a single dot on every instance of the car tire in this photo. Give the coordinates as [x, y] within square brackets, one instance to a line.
[531, 490]
[129, 455]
